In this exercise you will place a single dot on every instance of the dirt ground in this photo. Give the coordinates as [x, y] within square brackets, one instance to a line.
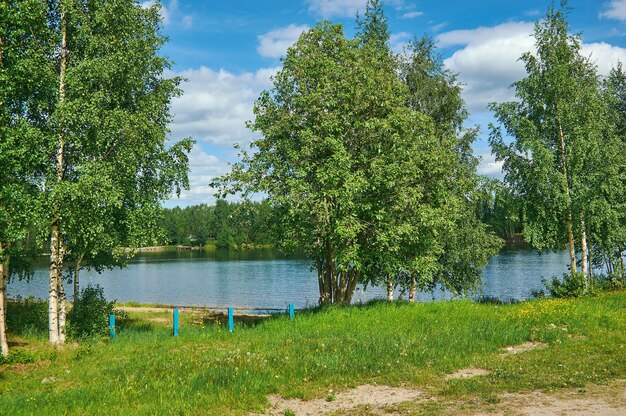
[369, 400]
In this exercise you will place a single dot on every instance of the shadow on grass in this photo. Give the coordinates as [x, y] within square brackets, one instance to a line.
[27, 317]
[246, 320]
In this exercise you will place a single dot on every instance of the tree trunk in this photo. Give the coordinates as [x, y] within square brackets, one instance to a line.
[62, 311]
[389, 288]
[621, 260]
[583, 248]
[4, 343]
[412, 289]
[7, 265]
[570, 233]
[591, 263]
[53, 287]
[56, 255]
[77, 275]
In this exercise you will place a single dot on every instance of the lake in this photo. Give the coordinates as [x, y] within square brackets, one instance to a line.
[266, 279]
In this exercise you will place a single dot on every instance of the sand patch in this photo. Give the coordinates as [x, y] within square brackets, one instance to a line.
[366, 395]
[467, 373]
[527, 346]
[593, 401]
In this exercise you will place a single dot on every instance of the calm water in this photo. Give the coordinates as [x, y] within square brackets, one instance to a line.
[265, 279]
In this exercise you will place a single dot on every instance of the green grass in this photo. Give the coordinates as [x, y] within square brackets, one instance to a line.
[208, 370]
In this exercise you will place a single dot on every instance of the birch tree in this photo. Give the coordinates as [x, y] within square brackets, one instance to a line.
[23, 108]
[111, 163]
[557, 124]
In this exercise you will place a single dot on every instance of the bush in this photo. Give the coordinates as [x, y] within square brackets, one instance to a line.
[573, 285]
[90, 315]
[18, 357]
[28, 316]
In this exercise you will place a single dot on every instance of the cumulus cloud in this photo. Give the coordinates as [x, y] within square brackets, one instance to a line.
[275, 43]
[604, 55]
[488, 60]
[489, 167]
[203, 168]
[615, 9]
[346, 8]
[216, 104]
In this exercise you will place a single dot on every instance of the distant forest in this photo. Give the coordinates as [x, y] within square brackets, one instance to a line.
[237, 224]
[224, 224]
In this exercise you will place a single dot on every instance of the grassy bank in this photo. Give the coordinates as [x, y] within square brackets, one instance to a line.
[207, 370]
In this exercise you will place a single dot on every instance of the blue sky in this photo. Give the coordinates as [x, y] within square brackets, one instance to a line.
[228, 50]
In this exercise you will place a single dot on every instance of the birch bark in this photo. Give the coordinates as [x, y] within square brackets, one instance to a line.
[56, 255]
[4, 343]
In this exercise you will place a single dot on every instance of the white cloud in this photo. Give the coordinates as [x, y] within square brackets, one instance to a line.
[605, 56]
[411, 15]
[615, 9]
[216, 104]
[274, 44]
[203, 169]
[488, 62]
[345, 8]
[397, 41]
[438, 27]
[167, 12]
[489, 167]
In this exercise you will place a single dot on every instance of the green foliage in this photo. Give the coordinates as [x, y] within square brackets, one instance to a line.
[89, 317]
[366, 183]
[28, 316]
[18, 357]
[572, 285]
[226, 223]
[576, 285]
[566, 162]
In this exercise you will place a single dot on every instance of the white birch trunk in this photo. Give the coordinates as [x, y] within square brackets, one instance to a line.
[53, 287]
[4, 343]
[77, 276]
[62, 311]
[56, 259]
[583, 246]
[413, 289]
[389, 288]
[6, 282]
[570, 233]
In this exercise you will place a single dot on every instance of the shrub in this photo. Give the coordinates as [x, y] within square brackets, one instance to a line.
[18, 357]
[572, 286]
[90, 315]
[28, 316]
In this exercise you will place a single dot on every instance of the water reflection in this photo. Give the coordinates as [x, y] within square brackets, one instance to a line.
[266, 278]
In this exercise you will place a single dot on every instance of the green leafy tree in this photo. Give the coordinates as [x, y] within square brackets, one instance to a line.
[358, 178]
[23, 99]
[608, 223]
[454, 244]
[558, 126]
[111, 161]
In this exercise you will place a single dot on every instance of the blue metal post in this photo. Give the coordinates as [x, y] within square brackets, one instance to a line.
[292, 311]
[231, 320]
[112, 326]
[175, 322]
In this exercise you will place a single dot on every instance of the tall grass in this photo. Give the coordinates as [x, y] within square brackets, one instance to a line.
[208, 370]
